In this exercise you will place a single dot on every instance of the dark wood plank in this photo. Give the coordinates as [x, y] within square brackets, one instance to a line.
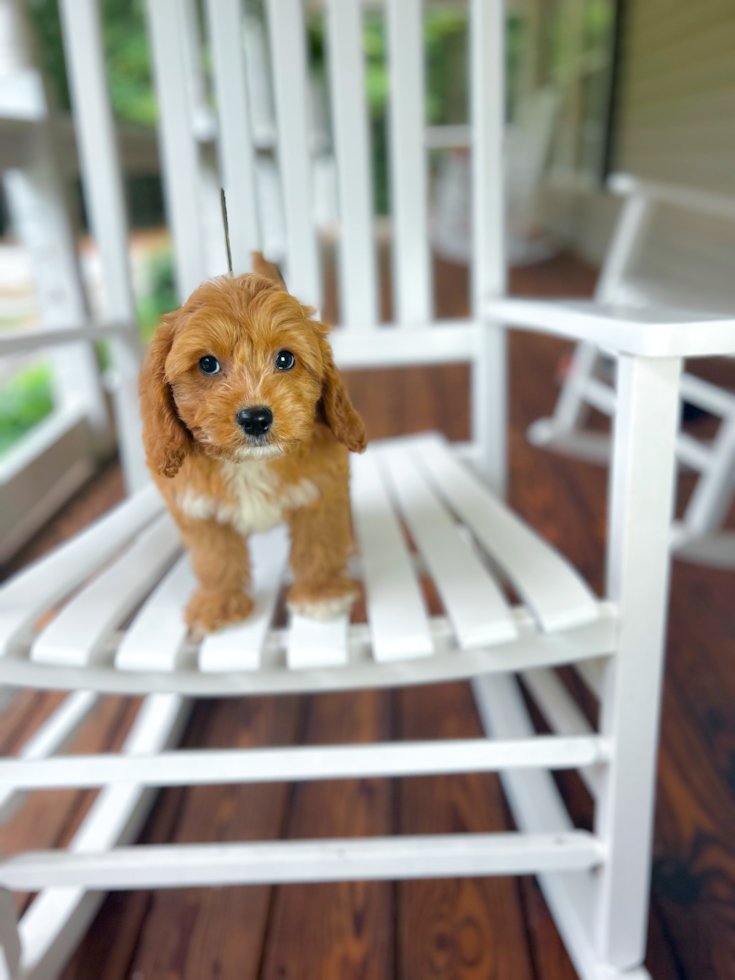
[466, 929]
[694, 847]
[194, 933]
[342, 931]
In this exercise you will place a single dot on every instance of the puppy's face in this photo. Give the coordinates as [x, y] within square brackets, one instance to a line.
[246, 371]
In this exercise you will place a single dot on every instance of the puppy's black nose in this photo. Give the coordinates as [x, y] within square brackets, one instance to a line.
[255, 421]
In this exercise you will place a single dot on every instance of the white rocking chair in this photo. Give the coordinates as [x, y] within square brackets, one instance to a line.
[62, 621]
[699, 536]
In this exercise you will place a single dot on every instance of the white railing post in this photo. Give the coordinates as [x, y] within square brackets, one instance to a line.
[489, 381]
[641, 505]
[406, 119]
[235, 131]
[103, 191]
[179, 150]
[291, 80]
[357, 264]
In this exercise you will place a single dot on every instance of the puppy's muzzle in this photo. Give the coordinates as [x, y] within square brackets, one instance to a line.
[255, 421]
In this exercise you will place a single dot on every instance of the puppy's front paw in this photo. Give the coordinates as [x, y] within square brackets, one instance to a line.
[323, 600]
[209, 611]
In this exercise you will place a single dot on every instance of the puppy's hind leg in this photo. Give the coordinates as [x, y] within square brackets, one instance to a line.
[321, 542]
[219, 557]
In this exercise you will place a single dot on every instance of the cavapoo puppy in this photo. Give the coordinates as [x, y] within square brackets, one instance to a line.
[247, 424]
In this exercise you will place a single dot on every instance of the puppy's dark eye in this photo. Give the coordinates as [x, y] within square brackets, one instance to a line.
[285, 360]
[209, 364]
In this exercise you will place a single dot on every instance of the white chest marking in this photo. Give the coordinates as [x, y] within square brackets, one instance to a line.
[260, 498]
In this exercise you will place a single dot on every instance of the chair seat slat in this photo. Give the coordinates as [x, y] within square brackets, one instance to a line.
[317, 644]
[155, 637]
[476, 606]
[396, 611]
[239, 647]
[78, 634]
[36, 589]
[555, 592]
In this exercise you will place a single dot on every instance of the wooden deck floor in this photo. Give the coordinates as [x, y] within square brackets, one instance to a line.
[454, 930]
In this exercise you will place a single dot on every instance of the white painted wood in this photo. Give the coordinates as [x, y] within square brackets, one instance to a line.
[58, 917]
[406, 116]
[626, 241]
[641, 506]
[489, 407]
[312, 643]
[390, 347]
[155, 638]
[235, 131]
[404, 857]
[537, 807]
[592, 673]
[290, 79]
[618, 282]
[555, 592]
[179, 151]
[18, 341]
[650, 332]
[358, 273]
[104, 196]
[488, 266]
[396, 613]
[80, 631]
[487, 94]
[239, 647]
[710, 502]
[211, 767]
[600, 395]
[38, 588]
[477, 608]
[532, 648]
[561, 712]
[448, 137]
[53, 735]
[716, 549]
[686, 198]
[707, 396]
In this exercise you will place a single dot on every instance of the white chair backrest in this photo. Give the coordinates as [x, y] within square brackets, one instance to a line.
[232, 45]
[241, 127]
[641, 265]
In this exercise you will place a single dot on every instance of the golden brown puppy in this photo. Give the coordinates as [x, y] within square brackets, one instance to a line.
[246, 424]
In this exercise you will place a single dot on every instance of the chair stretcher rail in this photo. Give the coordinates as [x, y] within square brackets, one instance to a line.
[206, 767]
[380, 858]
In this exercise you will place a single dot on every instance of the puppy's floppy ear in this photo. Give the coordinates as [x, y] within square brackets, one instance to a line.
[167, 441]
[339, 412]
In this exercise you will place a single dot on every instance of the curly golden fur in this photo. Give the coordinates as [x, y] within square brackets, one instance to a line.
[221, 483]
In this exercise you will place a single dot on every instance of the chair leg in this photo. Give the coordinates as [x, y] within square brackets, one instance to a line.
[642, 494]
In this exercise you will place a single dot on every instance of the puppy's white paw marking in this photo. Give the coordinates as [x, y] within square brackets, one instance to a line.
[325, 610]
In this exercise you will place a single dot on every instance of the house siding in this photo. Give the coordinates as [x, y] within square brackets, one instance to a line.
[676, 125]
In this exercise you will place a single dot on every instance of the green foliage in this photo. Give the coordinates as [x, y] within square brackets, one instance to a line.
[126, 49]
[162, 296]
[25, 399]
